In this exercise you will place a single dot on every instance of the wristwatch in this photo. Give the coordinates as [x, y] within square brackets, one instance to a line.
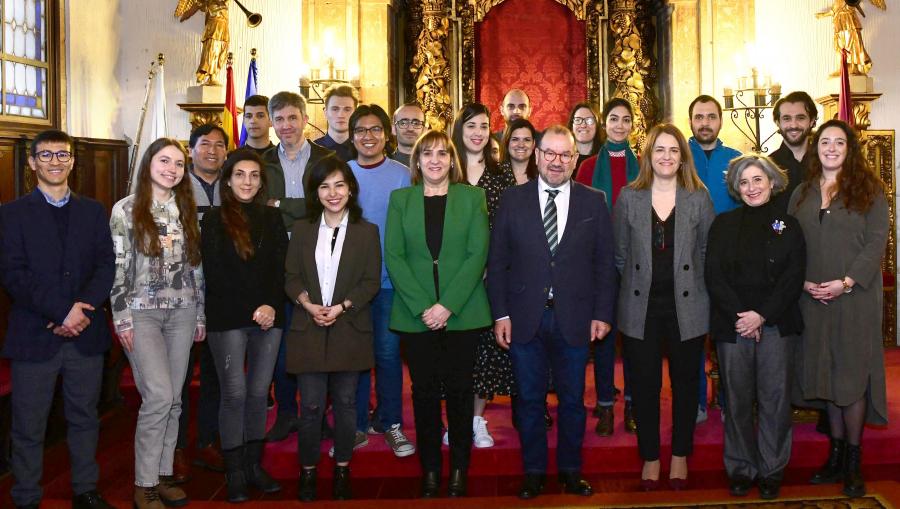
[847, 288]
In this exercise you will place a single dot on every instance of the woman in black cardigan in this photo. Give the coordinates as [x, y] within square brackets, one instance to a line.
[755, 266]
[243, 243]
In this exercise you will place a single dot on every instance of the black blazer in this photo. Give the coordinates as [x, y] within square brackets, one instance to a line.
[45, 278]
[521, 270]
[785, 256]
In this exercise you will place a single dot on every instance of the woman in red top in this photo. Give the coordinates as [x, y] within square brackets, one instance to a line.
[615, 165]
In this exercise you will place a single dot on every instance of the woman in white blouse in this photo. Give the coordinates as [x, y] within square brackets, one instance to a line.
[333, 272]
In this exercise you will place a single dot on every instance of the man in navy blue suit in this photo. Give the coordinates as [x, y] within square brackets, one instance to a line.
[57, 264]
[552, 287]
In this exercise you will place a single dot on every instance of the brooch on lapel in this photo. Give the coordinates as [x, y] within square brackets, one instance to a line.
[778, 226]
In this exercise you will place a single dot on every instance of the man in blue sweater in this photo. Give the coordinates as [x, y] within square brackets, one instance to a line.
[711, 157]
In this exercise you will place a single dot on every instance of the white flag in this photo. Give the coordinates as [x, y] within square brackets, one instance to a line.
[159, 125]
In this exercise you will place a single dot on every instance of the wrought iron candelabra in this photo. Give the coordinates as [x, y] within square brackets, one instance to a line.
[747, 105]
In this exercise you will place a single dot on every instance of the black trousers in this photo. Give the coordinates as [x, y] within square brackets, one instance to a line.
[436, 360]
[661, 334]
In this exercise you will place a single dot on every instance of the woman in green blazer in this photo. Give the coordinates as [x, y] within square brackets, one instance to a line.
[435, 248]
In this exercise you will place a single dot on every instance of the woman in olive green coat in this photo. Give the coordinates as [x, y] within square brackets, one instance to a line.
[435, 249]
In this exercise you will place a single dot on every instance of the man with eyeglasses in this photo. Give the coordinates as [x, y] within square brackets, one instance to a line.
[378, 176]
[409, 123]
[552, 288]
[516, 104]
[57, 265]
[287, 171]
[340, 101]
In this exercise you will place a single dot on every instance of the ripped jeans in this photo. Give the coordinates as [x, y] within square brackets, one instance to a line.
[341, 386]
[242, 410]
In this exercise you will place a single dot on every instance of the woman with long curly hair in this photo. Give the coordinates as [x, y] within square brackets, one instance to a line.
[842, 209]
[157, 304]
[244, 244]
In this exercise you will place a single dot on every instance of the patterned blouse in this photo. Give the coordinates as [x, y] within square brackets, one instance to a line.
[142, 282]
[494, 184]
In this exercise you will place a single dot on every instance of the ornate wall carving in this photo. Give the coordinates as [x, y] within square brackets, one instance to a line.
[471, 11]
[431, 65]
[632, 69]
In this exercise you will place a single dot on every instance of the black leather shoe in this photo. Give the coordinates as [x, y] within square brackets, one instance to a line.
[740, 486]
[574, 484]
[769, 488]
[853, 480]
[284, 424]
[431, 484]
[832, 470]
[341, 488]
[307, 487]
[89, 500]
[605, 421]
[458, 483]
[630, 421]
[532, 486]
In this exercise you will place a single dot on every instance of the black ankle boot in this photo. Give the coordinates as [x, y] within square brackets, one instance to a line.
[341, 488]
[234, 475]
[431, 484]
[307, 489]
[833, 468]
[253, 472]
[853, 480]
[458, 482]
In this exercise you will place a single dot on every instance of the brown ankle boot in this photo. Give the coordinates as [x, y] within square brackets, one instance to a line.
[147, 498]
[170, 494]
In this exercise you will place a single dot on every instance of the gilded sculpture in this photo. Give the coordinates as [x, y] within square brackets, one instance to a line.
[431, 66]
[215, 36]
[630, 65]
[848, 34]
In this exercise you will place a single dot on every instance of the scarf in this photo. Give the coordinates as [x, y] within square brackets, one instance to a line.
[602, 172]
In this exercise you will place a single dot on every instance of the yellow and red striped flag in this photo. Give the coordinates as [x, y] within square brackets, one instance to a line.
[230, 116]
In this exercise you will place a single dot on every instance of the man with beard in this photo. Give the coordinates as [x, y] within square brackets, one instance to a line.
[409, 123]
[340, 101]
[515, 105]
[795, 115]
[711, 156]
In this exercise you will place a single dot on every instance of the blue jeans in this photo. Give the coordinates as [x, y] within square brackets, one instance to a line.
[531, 362]
[285, 383]
[388, 369]
[605, 370]
[33, 385]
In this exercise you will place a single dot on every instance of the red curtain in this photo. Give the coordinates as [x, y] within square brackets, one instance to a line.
[535, 45]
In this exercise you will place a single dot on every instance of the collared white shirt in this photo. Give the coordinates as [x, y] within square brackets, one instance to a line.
[327, 261]
[562, 204]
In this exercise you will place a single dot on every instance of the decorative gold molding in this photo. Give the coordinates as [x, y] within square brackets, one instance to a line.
[471, 11]
[431, 65]
[631, 67]
[862, 107]
[204, 113]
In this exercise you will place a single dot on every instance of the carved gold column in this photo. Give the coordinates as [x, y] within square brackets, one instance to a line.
[431, 65]
[631, 66]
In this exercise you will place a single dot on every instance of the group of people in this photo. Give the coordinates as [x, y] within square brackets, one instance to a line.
[311, 263]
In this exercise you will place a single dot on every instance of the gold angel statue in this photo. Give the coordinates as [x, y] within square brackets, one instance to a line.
[848, 33]
[215, 36]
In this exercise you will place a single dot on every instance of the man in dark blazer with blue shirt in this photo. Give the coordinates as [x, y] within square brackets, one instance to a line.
[57, 264]
[552, 288]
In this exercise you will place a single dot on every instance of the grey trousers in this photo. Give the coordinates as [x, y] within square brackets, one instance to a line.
[761, 373]
[33, 385]
[242, 411]
[162, 347]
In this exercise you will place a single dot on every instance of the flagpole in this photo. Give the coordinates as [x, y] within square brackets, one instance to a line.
[137, 140]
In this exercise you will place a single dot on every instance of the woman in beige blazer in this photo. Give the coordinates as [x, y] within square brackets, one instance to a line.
[333, 272]
[660, 224]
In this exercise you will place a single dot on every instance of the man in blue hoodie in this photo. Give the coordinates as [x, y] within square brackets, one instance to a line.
[711, 157]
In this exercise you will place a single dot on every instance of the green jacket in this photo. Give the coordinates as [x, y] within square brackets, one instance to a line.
[464, 250]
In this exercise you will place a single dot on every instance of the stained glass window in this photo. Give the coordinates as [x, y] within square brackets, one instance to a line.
[24, 62]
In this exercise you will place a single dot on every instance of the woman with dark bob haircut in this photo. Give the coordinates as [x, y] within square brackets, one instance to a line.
[243, 243]
[844, 214]
[333, 272]
[755, 263]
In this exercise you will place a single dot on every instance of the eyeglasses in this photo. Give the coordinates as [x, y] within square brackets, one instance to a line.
[584, 121]
[406, 124]
[551, 156]
[374, 131]
[45, 156]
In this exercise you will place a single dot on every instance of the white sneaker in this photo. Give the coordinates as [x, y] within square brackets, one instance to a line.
[446, 439]
[480, 436]
[398, 442]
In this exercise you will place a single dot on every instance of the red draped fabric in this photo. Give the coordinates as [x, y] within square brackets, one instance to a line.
[535, 45]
